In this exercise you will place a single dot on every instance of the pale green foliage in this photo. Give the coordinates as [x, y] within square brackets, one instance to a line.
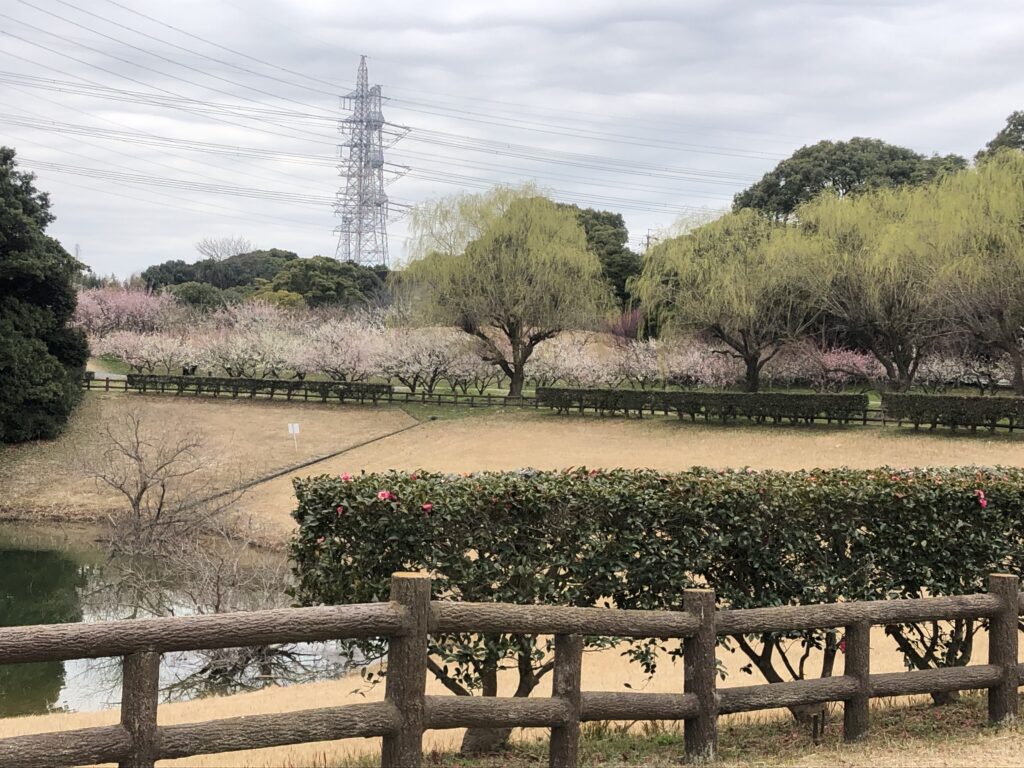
[730, 280]
[981, 220]
[874, 261]
[508, 267]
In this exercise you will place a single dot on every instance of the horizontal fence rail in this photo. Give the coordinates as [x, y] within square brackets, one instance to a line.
[410, 617]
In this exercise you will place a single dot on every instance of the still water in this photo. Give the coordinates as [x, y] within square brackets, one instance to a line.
[57, 575]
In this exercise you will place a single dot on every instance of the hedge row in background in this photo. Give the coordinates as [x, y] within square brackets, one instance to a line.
[723, 406]
[341, 390]
[636, 539]
[954, 411]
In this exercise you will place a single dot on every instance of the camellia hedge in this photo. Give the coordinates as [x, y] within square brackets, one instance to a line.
[723, 406]
[955, 411]
[637, 538]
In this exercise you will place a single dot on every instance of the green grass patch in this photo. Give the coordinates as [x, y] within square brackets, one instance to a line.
[918, 730]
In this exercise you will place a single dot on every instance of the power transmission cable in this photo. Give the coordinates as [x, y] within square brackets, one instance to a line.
[427, 136]
[164, 58]
[42, 123]
[319, 136]
[232, 211]
[332, 93]
[254, 152]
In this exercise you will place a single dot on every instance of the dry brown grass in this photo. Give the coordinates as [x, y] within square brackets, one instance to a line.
[41, 480]
[511, 440]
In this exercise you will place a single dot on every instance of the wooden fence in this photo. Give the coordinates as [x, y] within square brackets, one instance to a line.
[300, 391]
[297, 390]
[410, 616]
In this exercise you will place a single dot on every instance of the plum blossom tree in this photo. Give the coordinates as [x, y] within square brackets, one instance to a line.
[419, 358]
[639, 363]
[161, 352]
[692, 363]
[113, 308]
[346, 349]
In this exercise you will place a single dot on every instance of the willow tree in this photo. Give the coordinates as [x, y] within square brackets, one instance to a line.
[874, 262]
[980, 217]
[510, 268]
[729, 280]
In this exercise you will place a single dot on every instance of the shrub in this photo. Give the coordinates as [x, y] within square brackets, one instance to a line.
[954, 410]
[637, 538]
[756, 406]
[325, 390]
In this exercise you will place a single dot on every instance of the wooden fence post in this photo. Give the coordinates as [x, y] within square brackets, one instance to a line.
[701, 732]
[1003, 642]
[858, 665]
[406, 681]
[140, 687]
[565, 739]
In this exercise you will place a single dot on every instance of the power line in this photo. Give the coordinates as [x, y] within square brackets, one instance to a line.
[157, 56]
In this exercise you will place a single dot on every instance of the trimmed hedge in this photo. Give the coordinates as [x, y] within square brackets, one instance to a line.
[341, 390]
[637, 538]
[954, 410]
[723, 406]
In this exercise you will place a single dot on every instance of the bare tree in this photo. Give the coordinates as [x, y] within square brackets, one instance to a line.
[176, 546]
[220, 248]
[160, 475]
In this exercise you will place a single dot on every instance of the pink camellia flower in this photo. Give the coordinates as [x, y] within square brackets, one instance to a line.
[427, 507]
[320, 540]
[414, 477]
[983, 502]
[341, 510]
[346, 477]
[386, 496]
[980, 494]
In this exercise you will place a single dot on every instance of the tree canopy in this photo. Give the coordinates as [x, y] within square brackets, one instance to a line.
[237, 270]
[607, 237]
[843, 167]
[728, 280]
[978, 220]
[41, 358]
[509, 267]
[323, 281]
[874, 261]
[1010, 137]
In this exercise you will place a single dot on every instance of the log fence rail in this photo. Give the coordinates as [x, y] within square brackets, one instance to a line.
[409, 617]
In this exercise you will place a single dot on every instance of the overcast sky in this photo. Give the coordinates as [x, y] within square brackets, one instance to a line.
[652, 109]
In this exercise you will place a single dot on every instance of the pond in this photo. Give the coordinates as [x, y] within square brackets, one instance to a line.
[55, 574]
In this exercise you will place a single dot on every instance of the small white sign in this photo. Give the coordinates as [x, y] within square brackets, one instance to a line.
[293, 429]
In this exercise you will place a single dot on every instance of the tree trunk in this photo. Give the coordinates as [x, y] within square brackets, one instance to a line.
[752, 380]
[484, 741]
[516, 381]
[1018, 372]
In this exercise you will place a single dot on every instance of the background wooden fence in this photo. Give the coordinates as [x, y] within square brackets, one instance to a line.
[410, 616]
[320, 391]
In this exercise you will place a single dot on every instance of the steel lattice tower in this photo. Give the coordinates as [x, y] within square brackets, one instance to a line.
[362, 204]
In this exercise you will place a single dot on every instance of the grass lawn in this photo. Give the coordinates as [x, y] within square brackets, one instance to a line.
[915, 735]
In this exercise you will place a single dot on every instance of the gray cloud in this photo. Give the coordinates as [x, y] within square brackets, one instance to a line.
[722, 89]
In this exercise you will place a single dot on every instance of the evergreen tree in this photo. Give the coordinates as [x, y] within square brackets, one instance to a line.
[41, 357]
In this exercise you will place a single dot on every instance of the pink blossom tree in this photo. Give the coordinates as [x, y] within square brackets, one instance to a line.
[102, 310]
